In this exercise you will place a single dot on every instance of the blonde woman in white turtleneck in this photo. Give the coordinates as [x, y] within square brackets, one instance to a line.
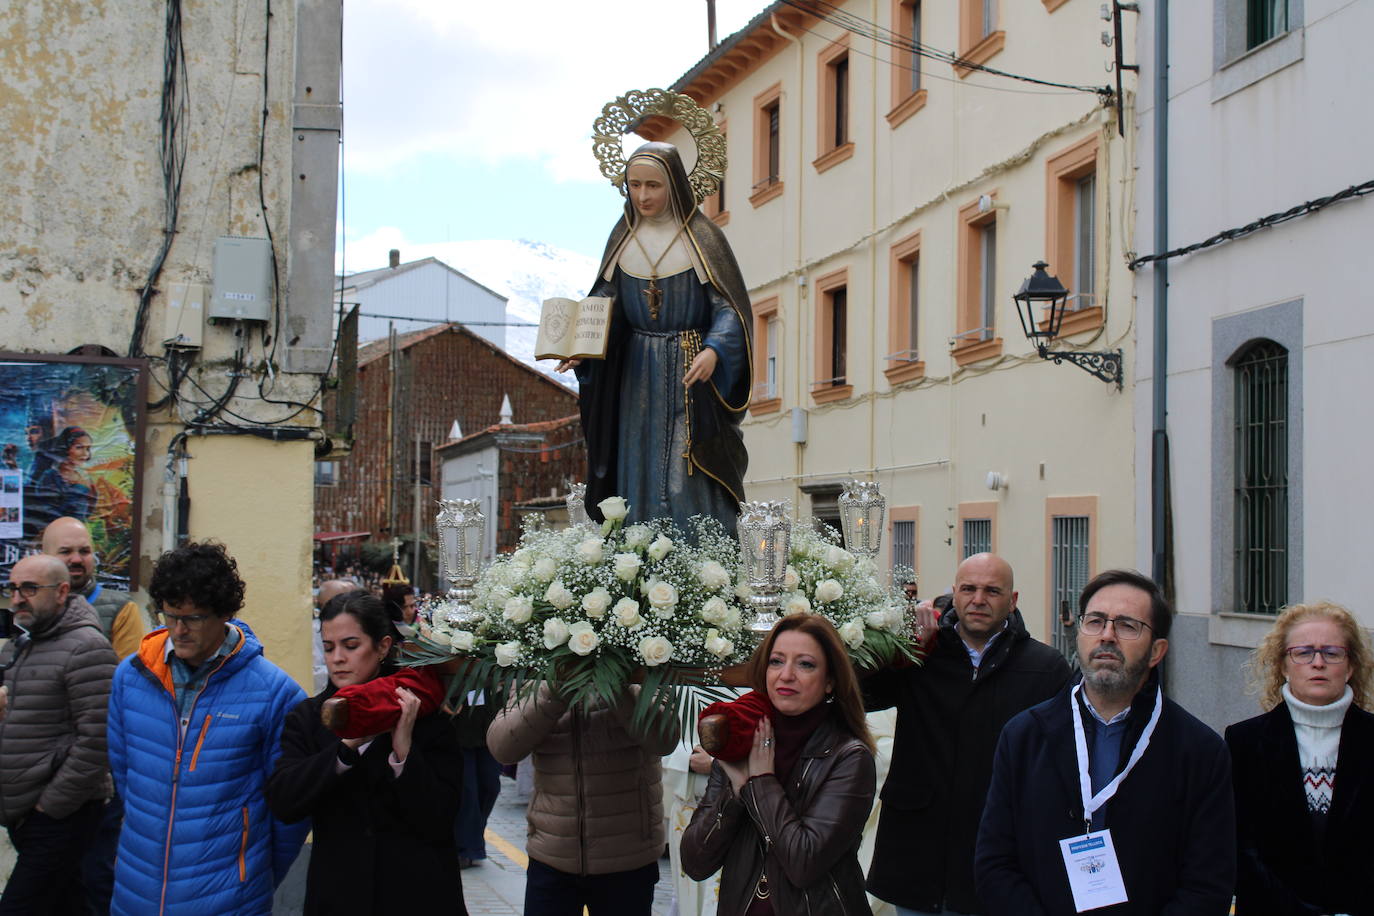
[1304, 771]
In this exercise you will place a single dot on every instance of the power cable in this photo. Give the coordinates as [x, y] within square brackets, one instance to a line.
[1264, 222]
[871, 30]
[172, 155]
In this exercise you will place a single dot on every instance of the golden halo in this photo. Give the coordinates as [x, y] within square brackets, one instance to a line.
[623, 114]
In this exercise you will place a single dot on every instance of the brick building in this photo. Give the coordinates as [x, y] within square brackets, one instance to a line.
[408, 403]
[512, 467]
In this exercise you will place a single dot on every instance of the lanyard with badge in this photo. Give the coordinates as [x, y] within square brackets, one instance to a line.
[1090, 859]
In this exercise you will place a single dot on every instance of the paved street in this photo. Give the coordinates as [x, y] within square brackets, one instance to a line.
[495, 887]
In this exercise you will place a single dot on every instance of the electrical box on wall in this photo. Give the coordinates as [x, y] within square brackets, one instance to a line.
[243, 280]
[185, 317]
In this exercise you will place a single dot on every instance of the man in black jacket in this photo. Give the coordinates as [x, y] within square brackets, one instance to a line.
[1161, 839]
[983, 668]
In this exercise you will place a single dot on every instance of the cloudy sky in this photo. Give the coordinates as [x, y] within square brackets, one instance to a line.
[469, 120]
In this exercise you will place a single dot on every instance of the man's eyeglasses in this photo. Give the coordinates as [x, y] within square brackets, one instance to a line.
[1305, 655]
[1125, 627]
[191, 621]
[25, 589]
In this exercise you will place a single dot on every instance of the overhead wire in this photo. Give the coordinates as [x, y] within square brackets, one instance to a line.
[866, 28]
[175, 106]
[1264, 222]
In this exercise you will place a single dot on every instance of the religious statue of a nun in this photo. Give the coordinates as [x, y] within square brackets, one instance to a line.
[661, 413]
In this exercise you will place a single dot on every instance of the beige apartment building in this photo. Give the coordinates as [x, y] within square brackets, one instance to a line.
[885, 205]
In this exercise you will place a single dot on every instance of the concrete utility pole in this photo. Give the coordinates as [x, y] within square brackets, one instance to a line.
[415, 552]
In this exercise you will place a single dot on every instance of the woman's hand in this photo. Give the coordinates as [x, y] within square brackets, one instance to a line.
[700, 761]
[761, 754]
[567, 364]
[702, 367]
[401, 732]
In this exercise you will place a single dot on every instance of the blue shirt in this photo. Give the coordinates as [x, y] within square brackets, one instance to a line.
[1104, 754]
[187, 681]
[976, 655]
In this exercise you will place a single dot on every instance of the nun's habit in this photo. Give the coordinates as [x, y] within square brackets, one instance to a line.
[670, 451]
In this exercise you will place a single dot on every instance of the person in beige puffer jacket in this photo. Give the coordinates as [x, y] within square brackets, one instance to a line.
[596, 815]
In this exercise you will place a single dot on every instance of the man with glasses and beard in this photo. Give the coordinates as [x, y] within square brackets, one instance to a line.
[53, 774]
[195, 729]
[1110, 797]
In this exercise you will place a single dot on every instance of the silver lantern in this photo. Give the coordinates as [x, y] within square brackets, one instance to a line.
[765, 535]
[861, 514]
[462, 534]
[577, 505]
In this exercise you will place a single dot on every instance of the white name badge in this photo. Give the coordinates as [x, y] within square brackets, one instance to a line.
[1094, 874]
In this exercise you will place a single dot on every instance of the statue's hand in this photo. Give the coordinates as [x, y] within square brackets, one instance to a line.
[702, 367]
[567, 364]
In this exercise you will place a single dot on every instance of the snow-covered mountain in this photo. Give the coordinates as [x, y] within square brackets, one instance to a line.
[526, 273]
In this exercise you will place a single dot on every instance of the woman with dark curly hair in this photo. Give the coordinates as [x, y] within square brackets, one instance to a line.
[194, 730]
[1303, 773]
[784, 823]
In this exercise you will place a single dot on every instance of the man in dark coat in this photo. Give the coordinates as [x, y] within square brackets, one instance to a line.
[983, 668]
[54, 774]
[1170, 817]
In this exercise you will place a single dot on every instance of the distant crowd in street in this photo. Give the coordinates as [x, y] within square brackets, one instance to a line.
[179, 771]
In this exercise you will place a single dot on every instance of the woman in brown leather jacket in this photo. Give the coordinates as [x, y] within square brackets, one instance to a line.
[786, 821]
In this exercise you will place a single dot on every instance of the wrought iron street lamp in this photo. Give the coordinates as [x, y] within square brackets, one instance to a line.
[765, 536]
[862, 508]
[1041, 291]
[462, 529]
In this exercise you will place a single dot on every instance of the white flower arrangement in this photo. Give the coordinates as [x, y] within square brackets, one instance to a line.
[826, 579]
[592, 609]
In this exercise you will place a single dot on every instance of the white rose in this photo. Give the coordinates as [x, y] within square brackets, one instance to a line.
[626, 566]
[595, 602]
[655, 650]
[742, 590]
[866, 568]
[627, 613]
[662, 595]
[713, 575]
[838, 557]
[732, 619]
[582, 639]
[796, 604]
[590, 552]
[545, 569]
[878, 620]
[613, 508]
[518, 609]
[638, 536]
[555, 633]
[790, 578]
[507, 653]
[896, 620]
[660, 547]
[559, 596]
[718, 645]
[516, 572]
[853, 633]
[715, 611]
[828, 590]
[461, 641]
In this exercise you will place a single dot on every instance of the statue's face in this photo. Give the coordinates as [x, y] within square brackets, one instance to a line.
[648, 189]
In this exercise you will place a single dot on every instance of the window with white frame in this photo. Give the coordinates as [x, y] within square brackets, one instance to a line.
[770, 368]
[987, 244]
[1261, 478]
[1085, 240]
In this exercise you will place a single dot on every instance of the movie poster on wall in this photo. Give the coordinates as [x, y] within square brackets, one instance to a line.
[70, 433]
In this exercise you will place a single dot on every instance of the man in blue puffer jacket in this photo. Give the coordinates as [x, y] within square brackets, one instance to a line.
[194, 731]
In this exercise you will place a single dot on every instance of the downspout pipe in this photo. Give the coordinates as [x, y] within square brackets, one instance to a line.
[1159, 437]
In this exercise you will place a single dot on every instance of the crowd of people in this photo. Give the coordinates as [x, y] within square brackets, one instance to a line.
[181, 770]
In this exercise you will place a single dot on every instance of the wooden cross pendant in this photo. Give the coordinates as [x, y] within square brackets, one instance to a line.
[654, 296]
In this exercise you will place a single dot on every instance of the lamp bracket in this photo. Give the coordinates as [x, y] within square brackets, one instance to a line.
[1103, 364]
